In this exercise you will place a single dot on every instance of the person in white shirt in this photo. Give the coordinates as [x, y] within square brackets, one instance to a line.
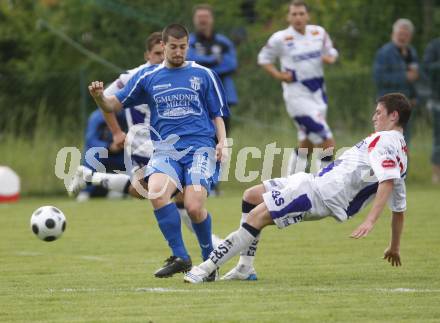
[301, 50]
[372, 170]
[137, 142]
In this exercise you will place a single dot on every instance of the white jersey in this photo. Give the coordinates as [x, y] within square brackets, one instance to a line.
[138, 141]
[351, 181]
[302, 56]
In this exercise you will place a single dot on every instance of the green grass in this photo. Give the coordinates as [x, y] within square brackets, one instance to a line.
[101, 270]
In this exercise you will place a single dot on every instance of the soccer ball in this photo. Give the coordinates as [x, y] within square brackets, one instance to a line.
[48, 223]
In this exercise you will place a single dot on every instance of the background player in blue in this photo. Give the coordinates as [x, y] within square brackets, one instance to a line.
[213, 50]
[97, 135]
[187, 105]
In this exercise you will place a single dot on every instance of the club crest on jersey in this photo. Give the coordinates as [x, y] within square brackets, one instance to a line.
[195, 83]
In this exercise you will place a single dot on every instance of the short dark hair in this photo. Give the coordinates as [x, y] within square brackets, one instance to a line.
[203, 6]
[299, 3]
[154, 39]
[174, 30]
[397, 102]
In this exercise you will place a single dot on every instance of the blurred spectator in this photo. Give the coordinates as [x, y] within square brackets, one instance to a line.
[396, 66]
[213, 50]
[98, 135]
[431, 66]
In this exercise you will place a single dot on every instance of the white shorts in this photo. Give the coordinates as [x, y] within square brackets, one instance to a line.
[309, 118]
[293, 199]
[138, 148]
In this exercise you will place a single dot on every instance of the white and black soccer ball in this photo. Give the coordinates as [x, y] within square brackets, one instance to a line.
[48, 223]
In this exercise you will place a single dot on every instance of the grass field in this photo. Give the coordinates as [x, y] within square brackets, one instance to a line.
[102, 269]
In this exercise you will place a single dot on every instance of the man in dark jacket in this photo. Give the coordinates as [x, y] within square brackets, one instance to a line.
[431, 64]
[213, 50]
[396, 66]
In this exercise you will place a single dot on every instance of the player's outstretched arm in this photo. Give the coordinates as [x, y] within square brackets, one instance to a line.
[392, 253]
[106, 103]
[383, 194]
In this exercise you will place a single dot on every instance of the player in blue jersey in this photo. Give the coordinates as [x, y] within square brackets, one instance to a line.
[187, 103]
[138, 146]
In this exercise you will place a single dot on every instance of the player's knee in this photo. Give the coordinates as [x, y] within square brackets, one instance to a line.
[259, 219]
[195, 210]
[254, 195]
[158, 198]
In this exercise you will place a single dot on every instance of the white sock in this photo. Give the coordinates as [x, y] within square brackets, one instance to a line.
[185, 219]
[301, 160]
[291, 164]
[247, 256]
[228, 248]
[112, 182]
[86, 173]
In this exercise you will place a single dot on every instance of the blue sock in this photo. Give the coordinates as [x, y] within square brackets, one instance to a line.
[203, 233]
[168, 219]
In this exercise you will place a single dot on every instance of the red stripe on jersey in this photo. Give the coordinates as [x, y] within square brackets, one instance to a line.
[400, 163]
[373, 144]
[388, 163]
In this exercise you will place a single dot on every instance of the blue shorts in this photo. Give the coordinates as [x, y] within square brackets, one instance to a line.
[194, 168]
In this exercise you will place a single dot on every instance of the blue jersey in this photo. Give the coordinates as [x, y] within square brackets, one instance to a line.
[183, 101]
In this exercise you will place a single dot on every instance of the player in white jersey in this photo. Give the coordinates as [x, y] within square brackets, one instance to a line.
[374, 169]
[301, 50]
[137, 142]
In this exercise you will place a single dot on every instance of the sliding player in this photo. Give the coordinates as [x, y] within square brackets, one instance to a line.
[374, 169]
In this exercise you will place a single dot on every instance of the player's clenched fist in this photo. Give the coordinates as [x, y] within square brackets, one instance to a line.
[96, 89]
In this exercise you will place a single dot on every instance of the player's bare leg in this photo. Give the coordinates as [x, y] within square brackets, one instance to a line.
[194, 200]
[161, 188]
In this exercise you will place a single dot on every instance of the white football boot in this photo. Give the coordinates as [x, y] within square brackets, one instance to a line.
[78, 182]
[240, 272]
[196, 276]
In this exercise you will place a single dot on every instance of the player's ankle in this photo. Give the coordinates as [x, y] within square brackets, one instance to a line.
[247, 261]
[208, 266]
